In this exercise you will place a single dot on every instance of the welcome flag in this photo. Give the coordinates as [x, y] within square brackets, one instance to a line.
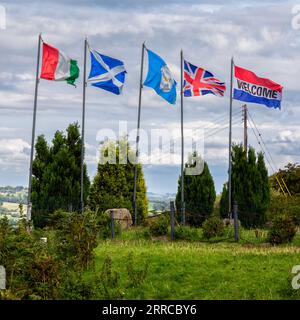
[159, 78]
[106, 73]
[249, 87]
[58, 66]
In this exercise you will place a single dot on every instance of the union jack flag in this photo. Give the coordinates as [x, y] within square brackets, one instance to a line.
[199, 82]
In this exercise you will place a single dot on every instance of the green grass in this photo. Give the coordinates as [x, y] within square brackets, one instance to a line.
[220, 269]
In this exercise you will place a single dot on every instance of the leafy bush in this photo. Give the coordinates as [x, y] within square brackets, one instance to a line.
[281, 204]
[144, 234]
[159, 227]
[283, 230]
[77, 239]
[36, 269]
[74, 287]
[186, 233]
[213, 227]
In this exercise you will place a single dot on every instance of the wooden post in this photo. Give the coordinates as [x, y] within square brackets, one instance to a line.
[172, 220]
[112, 224]
[236, 221]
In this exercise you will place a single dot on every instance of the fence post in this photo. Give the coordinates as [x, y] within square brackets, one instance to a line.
[112, 224]
[172, 220]
[236, 221]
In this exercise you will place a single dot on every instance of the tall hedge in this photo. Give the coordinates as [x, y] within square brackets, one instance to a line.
[113, 184]
[199, 194]
[250, 187]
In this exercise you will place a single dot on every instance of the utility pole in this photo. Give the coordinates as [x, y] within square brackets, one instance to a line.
[245, 117]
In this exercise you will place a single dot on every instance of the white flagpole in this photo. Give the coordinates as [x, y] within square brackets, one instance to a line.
[230, 144]
[29, 206]
[82, 131]
[182, 204]
[138, 135]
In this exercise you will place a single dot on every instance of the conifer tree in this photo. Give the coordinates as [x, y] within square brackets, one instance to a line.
[224, 202]
[56, 175]
[250, 187]
[113, 184]
[199, 194]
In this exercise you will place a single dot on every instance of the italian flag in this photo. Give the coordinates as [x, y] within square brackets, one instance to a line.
[57, 66]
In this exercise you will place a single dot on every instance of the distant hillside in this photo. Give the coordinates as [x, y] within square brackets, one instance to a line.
[11, 194]
[160, 202]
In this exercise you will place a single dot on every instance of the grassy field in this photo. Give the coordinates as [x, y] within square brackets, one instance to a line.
[201, 270]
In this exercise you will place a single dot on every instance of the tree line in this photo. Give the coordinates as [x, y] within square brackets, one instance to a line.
[56, 183]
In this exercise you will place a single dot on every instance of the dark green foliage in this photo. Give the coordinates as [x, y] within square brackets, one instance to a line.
[187, 233]
[213, 227]
[75, 287]
[224, 202]
[78, 236]
[291, 176]
[35, 269]
[199, 194]
[280, 204]
[283, 230]
[250, 188]
[159, 227]
[113, 185]
[56, 175]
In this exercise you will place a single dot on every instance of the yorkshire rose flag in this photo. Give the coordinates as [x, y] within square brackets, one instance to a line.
[248, 87]
[57, 66]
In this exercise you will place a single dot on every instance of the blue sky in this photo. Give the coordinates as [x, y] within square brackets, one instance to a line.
[258, 34]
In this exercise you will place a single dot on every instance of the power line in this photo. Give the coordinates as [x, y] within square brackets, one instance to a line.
[272, 160]
[251, 119]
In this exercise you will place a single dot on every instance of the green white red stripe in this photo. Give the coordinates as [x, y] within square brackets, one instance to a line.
[58, 66]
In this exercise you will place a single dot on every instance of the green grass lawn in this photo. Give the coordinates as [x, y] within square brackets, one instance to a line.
[201, 270]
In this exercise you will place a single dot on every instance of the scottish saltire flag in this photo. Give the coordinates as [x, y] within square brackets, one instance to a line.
[248, 87]
[106, 72]
[199, 82]
[159, 78]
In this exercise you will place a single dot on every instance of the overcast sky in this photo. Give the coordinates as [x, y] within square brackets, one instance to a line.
[258, 34]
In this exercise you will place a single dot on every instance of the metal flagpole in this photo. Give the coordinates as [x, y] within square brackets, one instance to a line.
[245, 128]
[182, 142]
[138, 136]
[82, 130]
[28, 217]
[230, 144]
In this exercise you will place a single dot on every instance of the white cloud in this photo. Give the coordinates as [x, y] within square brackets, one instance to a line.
[257, 34]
